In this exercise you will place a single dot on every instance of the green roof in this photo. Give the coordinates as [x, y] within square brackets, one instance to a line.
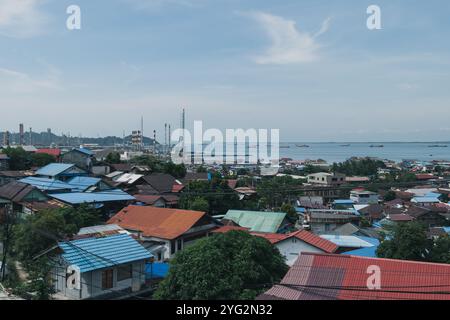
[257, 221]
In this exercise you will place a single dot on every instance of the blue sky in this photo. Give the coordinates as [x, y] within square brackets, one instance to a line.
[310, 68]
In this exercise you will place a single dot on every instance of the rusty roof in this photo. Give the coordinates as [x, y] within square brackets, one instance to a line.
[340, 277]
[162, 223]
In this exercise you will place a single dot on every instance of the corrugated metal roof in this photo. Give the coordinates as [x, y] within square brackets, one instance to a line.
[163, 223]
[347, 241]
[46, 184]
[93, 197]
[342, 277]
[257, 221]
[98, 253]
[83, 183]
[54, 169]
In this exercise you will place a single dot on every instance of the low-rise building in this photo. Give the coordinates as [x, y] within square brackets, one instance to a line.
[164, 231]
[327, 179]
[364, 197]
[96, 267]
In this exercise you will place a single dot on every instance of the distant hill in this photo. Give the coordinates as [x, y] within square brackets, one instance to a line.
[46, 139]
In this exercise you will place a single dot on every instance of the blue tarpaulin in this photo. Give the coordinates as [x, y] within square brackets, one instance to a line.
[158, 270]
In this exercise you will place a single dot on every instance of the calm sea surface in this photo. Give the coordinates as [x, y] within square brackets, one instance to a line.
[337, 152]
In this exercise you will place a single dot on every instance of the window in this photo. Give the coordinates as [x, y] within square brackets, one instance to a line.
[172, 247]
[107, 279]
[179, 244]
[124, 272]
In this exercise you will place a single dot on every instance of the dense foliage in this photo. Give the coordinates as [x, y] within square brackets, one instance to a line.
[409, 241]
[227, 266]
[161, 166]
[359, 167]
[38, 232]
[22, 160]
[219, 196]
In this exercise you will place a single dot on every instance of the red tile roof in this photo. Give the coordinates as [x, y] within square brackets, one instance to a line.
[341, 277]
[177, 187]
[52, 152]
[157, 222]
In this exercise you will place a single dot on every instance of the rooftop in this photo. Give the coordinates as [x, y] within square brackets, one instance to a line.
[326, 277]
[98, 253]
[257, 221]
[162, 223]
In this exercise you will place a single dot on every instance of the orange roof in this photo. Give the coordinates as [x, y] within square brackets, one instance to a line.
[157, 222]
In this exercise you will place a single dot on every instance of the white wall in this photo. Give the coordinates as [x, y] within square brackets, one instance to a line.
[291, 248]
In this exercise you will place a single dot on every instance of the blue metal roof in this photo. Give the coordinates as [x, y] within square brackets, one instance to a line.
[46, 184]
[54, 169]
[343, 201]
[83, 183]
[365, 252]
[98, 253]
[85, 151]
[425, 199]
[93, 197]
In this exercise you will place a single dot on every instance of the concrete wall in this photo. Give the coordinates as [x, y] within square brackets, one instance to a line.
[293, 247]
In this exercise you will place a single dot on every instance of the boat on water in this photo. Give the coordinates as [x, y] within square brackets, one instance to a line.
[377, 146]
[302, 145]
[345, 145]
[438, 146]
[284, 147]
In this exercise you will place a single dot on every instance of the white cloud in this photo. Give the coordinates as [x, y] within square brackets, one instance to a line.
[19, 82]
[21, 18]
[289, 45]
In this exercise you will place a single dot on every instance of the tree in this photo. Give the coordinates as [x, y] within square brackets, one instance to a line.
[290, 210]
[407, 241]
[41, 231]
[390, 195]
[19, 158]
[230, 266]
[359, 167]
[199, 204]
[441, 250]
[219, 195]
[41, 159]
[113, 157]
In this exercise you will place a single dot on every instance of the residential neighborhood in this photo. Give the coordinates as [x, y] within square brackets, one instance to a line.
[122, 230]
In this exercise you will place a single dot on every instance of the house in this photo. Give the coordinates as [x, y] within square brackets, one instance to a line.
[60, 171]
[292, 245]
[425, 201]
[10, 176]
[4, 162]
[152, 200]
[364, 197]
[164, 231]
[327, 179]
[258, 221]
[17, 194]
[109, 201]
[88, 184]
[317, 276]
[372, 212]
[96, 267]
[47, 185]
[162, 183]
[349, 243]
[429, 216]
[81, 157]
[321, 221]
[343, 204]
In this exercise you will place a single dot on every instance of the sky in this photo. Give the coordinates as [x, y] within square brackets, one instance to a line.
[310, 68]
